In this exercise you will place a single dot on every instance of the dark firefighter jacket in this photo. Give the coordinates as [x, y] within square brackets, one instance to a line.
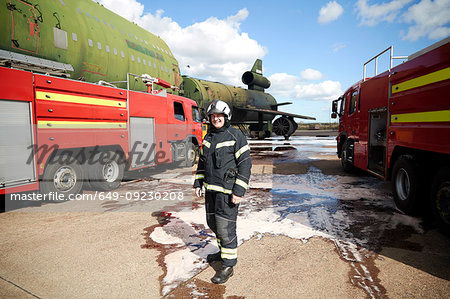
[224, 163]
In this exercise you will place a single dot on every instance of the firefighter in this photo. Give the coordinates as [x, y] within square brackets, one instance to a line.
[223, 171]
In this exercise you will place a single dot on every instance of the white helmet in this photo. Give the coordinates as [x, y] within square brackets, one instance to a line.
[219, 107]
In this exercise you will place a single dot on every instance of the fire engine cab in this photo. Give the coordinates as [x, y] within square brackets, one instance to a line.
[396, 126]
[61, 135]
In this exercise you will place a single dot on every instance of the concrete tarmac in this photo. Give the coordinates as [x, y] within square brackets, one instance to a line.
[110, 249]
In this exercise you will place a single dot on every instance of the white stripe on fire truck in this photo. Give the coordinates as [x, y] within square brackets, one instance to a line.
[58, 97]
[47, 124]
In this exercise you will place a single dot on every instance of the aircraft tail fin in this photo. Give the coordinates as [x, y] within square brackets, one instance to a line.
[257, 67]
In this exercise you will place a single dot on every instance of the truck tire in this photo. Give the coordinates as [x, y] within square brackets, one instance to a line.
[347, 165]
[191, 154]
[406, 186]
[107, 171]
[62, 178]
[440, 199]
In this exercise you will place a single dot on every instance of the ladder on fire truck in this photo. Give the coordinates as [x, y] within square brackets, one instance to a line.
[392, 57]
[375, 58]
[34, 64]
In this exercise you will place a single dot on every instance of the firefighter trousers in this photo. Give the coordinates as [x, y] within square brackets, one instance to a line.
[221, 216]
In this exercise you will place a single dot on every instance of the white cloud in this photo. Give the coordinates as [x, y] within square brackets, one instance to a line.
[338, 46]
[130, 9]
[293, 87]
[429, 18]
[215, 49]
[310, 74]
[371, 15]
[330, 12]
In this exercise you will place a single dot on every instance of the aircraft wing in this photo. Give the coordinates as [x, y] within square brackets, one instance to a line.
[275, 112]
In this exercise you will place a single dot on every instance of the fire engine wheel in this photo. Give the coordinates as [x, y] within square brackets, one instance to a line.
[191, 154]
[440, 199]
[107, 171]
[347, 166]
[406, 185]
[61, 179]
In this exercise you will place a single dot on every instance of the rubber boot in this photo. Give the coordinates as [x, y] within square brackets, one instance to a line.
[222, 275]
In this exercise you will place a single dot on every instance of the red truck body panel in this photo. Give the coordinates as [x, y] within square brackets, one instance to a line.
[70, 114]
[414, 98]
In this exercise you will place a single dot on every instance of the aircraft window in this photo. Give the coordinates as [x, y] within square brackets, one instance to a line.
[139, 60]
[115, 51]
[107, 48]
[154, 46]
[74, 36]
[195, 114]
[154, 65]
[141, 40]
[135, 37]
[166, 68]
[162, 69]
[132, 57]
[146, 42]
[105, 23]
[112, 26]
[78, 10]
[178, 111]
[99, 45]
[129, 34]
[122, 54]
[143, 60]
[62, 2]
[91, 44]
[158, 48]
[123, 32]
[88, 14]
[96, 19]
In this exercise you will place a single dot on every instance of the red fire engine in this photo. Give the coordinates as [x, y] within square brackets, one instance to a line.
[396, 126]
[58, 134]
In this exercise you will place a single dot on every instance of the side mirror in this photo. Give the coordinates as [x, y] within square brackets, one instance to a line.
[334, 115]
[334, 106]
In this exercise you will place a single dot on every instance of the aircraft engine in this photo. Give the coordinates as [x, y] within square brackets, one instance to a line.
[284, 126]
[255, 81]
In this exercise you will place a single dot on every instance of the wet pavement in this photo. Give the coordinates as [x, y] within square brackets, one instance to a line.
[297, 191]
[356, 213]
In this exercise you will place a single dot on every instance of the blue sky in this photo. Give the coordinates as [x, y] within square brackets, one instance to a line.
[312, 51]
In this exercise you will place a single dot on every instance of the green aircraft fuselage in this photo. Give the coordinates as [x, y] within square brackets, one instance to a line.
[99, 44]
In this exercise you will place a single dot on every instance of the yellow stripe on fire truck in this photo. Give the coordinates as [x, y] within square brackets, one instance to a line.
[419, 117]
[433, 77]
[58, 97]
[47, 124]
